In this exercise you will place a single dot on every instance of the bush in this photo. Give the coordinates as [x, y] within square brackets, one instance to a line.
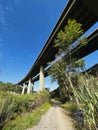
[7, 104]
[27, 120]
[87, 93]
[70, 106]
[13, 105]
[10, 87]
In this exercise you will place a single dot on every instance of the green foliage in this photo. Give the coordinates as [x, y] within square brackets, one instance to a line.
[77, 126]
[87, 93]
[64, 65]
[70, 106]
[12, 105]
[78, 64]
[10, 87]
[66, 38]
[27, 120]
[66, 71]
[6, 108]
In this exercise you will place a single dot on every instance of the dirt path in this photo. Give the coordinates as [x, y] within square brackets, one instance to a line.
[54, 119]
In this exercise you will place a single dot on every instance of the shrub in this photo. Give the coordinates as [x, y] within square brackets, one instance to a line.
[7, 104]
[13, 105]
[27, 120]
[87, 93]
[70, 106]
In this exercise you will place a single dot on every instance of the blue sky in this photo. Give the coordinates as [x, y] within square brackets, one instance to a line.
[25, 26]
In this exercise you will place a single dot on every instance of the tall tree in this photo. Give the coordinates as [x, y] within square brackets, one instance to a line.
[65, 69]
[64, 65]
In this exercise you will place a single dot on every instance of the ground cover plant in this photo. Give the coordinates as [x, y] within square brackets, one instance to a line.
[27, 120]
[14, 105]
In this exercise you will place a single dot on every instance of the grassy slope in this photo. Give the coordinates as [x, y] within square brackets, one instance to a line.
[22, 111]
[27, 120]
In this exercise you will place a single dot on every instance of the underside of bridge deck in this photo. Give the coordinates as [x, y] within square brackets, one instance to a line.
[75, 9]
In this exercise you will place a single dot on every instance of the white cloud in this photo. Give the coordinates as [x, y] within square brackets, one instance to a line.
[6, 8]
[3, 15]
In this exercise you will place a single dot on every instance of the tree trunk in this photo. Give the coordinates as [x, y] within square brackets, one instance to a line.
[70, 82]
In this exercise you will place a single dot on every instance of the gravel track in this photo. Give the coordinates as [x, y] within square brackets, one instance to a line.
[54, 119]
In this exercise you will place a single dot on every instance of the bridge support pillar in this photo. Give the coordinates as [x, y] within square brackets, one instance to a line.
[41, 86]
[23, 89]
[29, 88]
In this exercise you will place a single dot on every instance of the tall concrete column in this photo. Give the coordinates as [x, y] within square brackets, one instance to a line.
[29, 88]
[24, 87]
[41, 86]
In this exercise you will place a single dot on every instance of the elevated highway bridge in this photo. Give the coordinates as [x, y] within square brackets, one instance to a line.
[85, 12]
[81, 52]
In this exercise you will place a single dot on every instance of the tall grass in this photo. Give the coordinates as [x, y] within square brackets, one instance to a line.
[27, 120]
[13, 105]
[87, 93]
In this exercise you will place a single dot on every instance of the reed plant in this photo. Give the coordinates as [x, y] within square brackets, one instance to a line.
[87, 93]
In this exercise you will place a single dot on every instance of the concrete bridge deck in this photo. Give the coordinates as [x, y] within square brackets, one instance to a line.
[85, 12]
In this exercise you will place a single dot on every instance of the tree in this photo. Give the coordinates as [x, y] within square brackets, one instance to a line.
[10, 87]
[65, 69]
[64, 65]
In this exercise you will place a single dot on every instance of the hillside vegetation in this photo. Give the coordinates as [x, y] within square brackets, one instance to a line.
[10, 87]
[16, 109]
